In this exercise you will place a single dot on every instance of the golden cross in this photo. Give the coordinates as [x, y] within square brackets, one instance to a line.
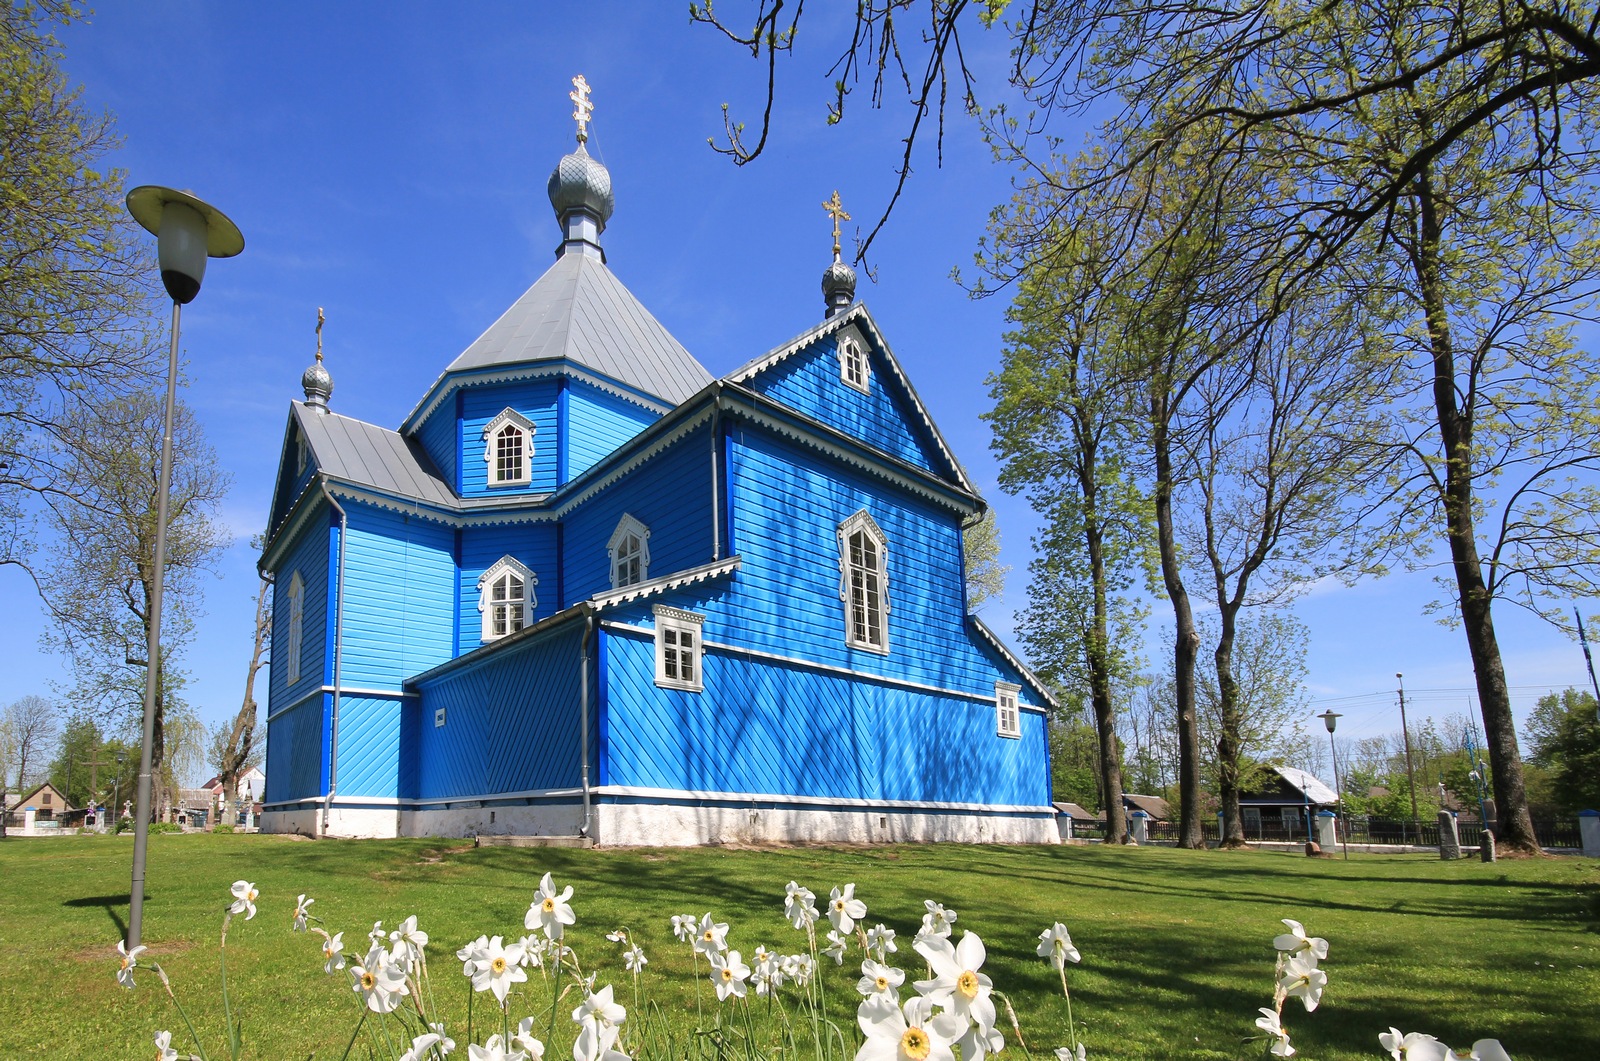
[582, 106]
[835, 210]
[320, 319]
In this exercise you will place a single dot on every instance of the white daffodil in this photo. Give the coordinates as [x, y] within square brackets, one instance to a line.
[836, 947]
[683, 927]
[937, 921]
[595, 1042]
[333, 953]
[377, 936]
[905, 1034]
[244, 899]
[634, 960]
[1056, 944]
[301, 906]
[549, 910]
[1295, 941]
[525, 1041]
[711, 937]
[800, 905]
[1067, 1053]
[447, 1045]
[599, 1007]
[1303, 980]
[975, 1043]
[1482, 1050]
[494, 1050]
[420, 1047]
[498, 968]
[957, 984]
[880, 941]
[1412, 1046]
[1270, 1023]
[164, 1050]
[408, 940]
[880, 979]
[130, 961]
[470, 955]
[379, 981]
[844, 909]
[801, 970]
[729, 974]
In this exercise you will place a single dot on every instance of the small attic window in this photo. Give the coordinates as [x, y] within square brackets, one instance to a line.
[629, 549]
[853, 367]
[508, 449]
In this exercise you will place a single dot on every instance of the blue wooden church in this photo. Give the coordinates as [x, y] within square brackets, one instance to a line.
[588, 588]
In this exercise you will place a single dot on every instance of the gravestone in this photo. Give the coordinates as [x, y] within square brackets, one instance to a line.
[1589, 832]
[1449, 836]
[1327, 831]
[1139, 827]
[1486, 846]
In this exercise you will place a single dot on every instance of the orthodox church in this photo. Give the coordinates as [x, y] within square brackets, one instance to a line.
[589, 589]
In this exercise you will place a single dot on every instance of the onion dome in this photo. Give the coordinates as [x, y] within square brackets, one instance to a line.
[838, 287]
[316, 381]
[581, 183]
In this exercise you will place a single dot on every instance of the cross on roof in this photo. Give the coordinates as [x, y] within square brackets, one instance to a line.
[582, 106]
[835, 210]
[320, 319]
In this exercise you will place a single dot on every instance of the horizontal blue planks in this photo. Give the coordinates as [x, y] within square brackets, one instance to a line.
[400, 596]
[295, 752]
[534, 399]
[785, 730]
[532, 544]
[597, 423]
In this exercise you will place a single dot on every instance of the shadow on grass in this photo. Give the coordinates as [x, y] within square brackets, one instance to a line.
[111, 904]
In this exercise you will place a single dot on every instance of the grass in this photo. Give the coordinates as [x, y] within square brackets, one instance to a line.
[1176, 945]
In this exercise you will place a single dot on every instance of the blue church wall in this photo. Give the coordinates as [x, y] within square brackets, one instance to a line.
[808, 381]
[440, 439]
[533, 544]
[597, 423]
[511, 723]
[788, 730]
[670, 494]
[296, 740]
[535, 399]
[310, 556]
[786, 506]
[400, 593]
[371, 738]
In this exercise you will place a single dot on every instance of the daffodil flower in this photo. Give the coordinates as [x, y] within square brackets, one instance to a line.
[379, 982]
[844, 909]
[494, 1050]
[1067, 1053]
[407, 941]
[469, 955]
[301, 906]
[447, 1045]
[594, 1043]
[244, 899]
[525, 1041]
[1412, 1046]
[1295, 941]
[164, 1050]
[711, 937]
[728, 974]
[800, 905]
[1302, 979]
[1482, 1050]
[497, 968]
[333, 953]
[1272, 1024]
[549, 909]
[880, 940]
[130, 961]
[420, 1047]
[600, 1007]
[1056, 944]
[835, 948]
[634, 960]
[683, 927]
[937, 921]
[880, 979]
[957, 984]
[906, 1033]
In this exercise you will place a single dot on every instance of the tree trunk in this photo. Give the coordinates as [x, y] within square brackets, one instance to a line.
[1187, 641]
[1515, 831]
[1228, 742]
[1098, 644]
[241, 739]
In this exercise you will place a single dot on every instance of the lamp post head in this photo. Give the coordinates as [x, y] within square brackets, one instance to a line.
[1329, 718]
[188, 230]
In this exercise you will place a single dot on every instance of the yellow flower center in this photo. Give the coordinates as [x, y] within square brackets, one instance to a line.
[498, 966]
[327, 952]
[252, 895]
[727, 974]
[967, 983]
[127, 962]
[883, 983]
[550, 905]
[838, 904]
[709, 936]
[368, 981]
[914, 1044]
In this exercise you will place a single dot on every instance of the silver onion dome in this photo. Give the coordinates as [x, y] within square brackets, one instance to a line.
[838, 286]
[581, 183]
[318, 384]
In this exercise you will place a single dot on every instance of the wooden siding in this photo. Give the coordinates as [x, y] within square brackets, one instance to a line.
[809, 382]
[400, 592]
[784, 730]
[670, 494]
[311, 555]
[511, 724]
[597, 423]
[535, 399]
[440, 437]
[295, 752]
[787, 503]
[374, 757]
[533, 544]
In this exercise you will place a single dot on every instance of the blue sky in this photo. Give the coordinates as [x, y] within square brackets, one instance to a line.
[388, 162]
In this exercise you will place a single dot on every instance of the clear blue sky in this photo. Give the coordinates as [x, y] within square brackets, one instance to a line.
[388, 162]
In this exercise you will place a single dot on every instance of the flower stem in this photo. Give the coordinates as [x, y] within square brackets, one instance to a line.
[181, 1012]
[354, 1034]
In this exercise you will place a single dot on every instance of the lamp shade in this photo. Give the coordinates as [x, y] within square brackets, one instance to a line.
[188, 230]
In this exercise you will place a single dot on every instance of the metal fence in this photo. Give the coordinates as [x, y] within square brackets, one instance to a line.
[1557, 832]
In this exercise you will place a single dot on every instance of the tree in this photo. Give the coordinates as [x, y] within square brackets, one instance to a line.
[89, 768]
[98, 583]
[233, 750]
[28, 731]
[1268, 670]
[1564, 732]
[980, 549]
[1075, 757]
[76, 283]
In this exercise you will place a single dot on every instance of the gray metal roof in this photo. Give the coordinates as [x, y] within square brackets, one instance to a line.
[580, 311]
[1315, 790]
[369, 455]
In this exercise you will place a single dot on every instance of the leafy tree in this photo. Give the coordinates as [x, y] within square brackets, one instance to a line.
[76, 283]
[89, 767]
[1268, 670]
[233, 750]
[1564, 731]
[980, 549]
[98, 583]
[1074, 755]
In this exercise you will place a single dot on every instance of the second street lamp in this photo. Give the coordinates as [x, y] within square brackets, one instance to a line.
[1329, 718]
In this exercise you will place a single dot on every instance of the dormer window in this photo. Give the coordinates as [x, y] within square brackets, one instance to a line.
[853, 366]
[506, 598]
[508, 449]
[630, 553]
[864, 582]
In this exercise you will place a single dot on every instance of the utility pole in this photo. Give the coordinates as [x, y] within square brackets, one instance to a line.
[1405, 732]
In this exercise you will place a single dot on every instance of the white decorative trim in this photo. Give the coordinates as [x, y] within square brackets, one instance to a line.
[675, 435]
[296, 632]
[629, 529]
[855, 366]
[506, 565]
[530, 370]
[1022, 668]
[1007, 721]
[526, 428]
[666, 583]
[679, 647]
[861, 522]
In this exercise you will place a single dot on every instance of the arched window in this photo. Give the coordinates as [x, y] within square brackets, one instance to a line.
[297, 615]
[506, 598]
[630, 553]
[853, 366]
[864, 583]
[508, 448]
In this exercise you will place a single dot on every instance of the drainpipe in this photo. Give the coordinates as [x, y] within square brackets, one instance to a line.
[338, 642]
[583, 717]
[716, 506]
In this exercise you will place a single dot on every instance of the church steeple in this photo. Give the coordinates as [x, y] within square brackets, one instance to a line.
[838, 279]
[316, 380]
[580, 187]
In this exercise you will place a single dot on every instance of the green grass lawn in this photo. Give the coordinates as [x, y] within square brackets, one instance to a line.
[1176, 945]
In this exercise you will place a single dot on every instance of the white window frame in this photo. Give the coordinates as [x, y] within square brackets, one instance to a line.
[619, 554]
[855, 369]
[506, 566]
[512, 424]
[296, 634]
[852, 576]
[674, 627]
[1007, 712]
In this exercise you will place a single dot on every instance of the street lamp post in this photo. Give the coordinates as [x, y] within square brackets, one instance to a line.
[1329, 717]
[1405, 733]
[188, 231]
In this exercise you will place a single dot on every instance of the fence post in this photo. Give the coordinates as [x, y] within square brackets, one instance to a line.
[1589, 832]
[1449, 836]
